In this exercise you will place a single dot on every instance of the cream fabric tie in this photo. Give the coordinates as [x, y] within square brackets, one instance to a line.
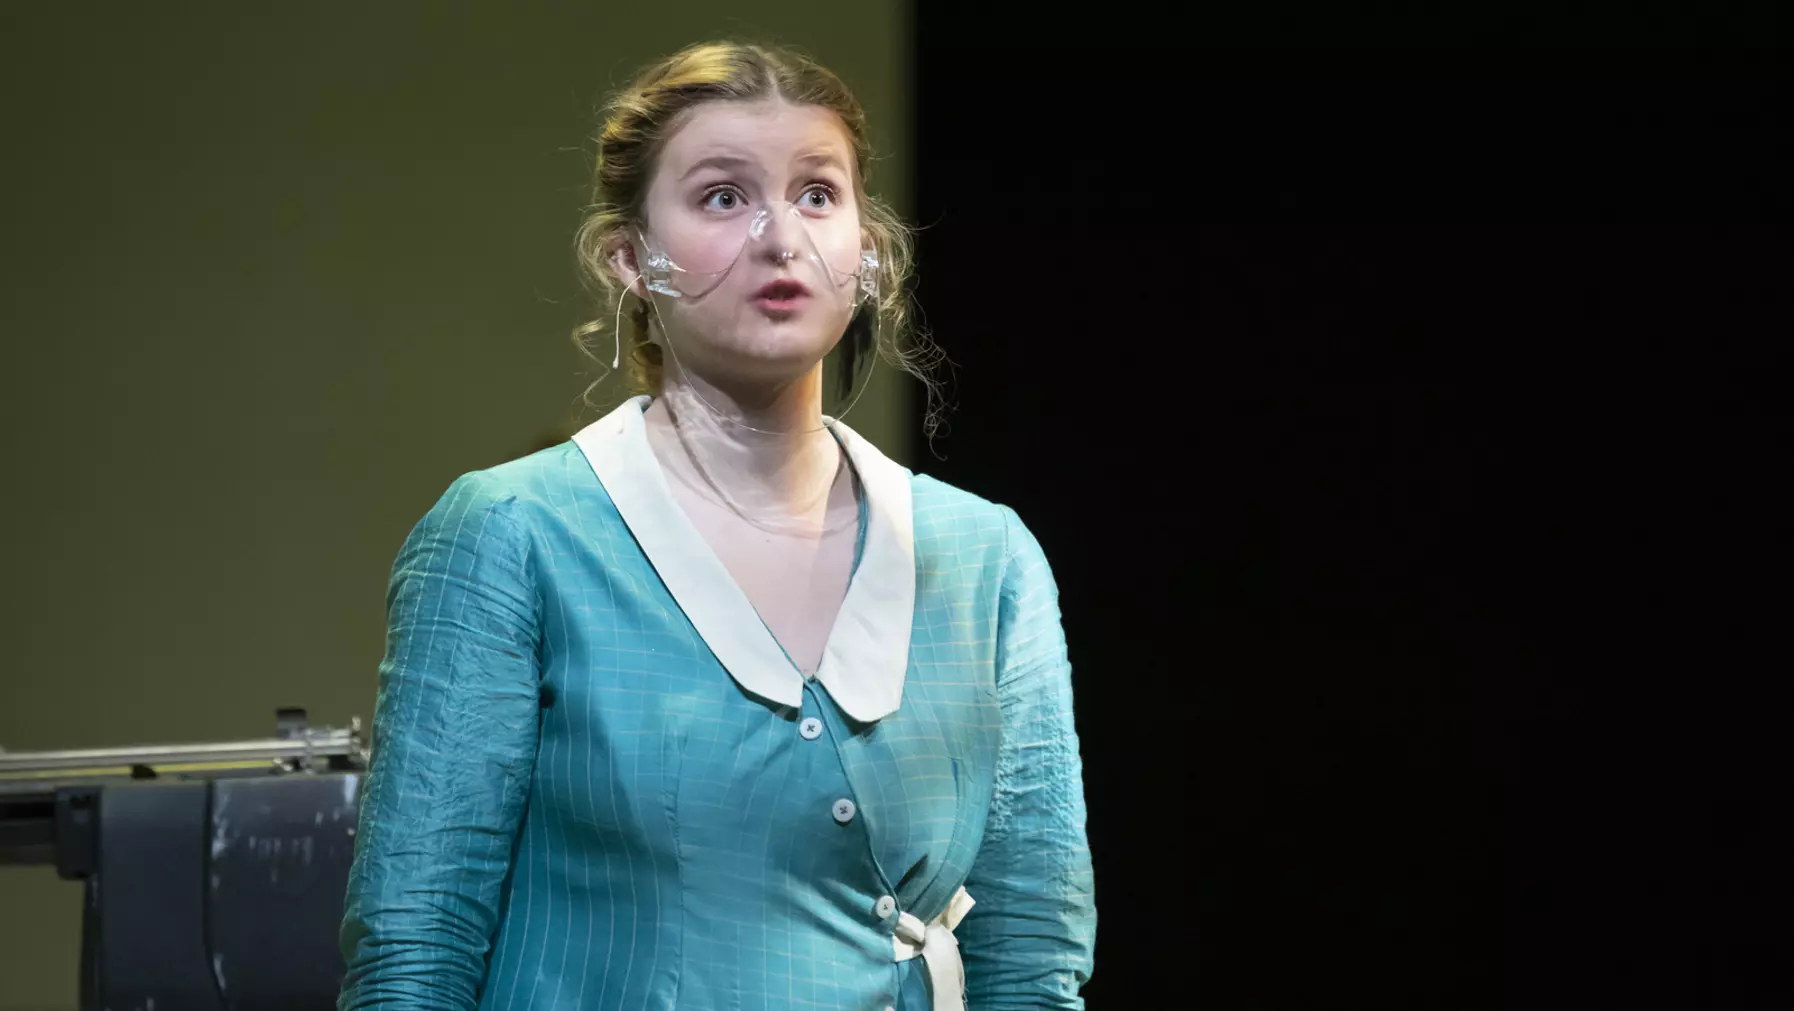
[939, 950]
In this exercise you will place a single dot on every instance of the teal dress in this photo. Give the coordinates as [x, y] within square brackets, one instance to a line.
[598, 783]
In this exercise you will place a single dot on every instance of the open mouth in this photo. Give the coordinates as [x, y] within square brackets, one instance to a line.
[781, 296]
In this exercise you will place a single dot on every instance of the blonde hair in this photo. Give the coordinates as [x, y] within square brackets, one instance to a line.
[638, 121]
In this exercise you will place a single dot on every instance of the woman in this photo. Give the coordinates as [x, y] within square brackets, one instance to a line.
[715, 706]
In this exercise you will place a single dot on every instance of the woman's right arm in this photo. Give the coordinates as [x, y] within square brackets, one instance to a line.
[454, 748]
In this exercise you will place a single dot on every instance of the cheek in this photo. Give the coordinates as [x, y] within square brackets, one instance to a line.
[703, 250]
[839, 241]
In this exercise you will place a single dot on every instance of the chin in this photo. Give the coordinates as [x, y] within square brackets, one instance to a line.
[761, 349]
[782, 351]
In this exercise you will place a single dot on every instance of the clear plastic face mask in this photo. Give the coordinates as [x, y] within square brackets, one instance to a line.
[779, 241]
[817, 248]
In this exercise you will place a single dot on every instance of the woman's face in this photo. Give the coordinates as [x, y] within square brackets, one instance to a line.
[753, 202]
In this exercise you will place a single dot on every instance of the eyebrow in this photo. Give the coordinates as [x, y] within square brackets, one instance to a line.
[731, 161]
[822, 158]
[723, 161]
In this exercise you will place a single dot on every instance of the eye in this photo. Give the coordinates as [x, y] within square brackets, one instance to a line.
[819, 197]
[722, 198]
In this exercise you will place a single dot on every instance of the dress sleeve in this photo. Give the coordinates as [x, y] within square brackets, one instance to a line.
[454, 745]
[1029, 941]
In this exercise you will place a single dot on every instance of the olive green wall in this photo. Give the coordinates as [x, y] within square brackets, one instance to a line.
[276, 274]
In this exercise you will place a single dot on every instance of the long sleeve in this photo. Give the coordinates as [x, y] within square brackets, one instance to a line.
[454, 747]
[1029, 942]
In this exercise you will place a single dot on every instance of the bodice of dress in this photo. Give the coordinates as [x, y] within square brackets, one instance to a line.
[579, 801]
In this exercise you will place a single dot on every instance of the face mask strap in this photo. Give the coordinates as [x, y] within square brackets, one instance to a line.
[657, 271]
[869, 273]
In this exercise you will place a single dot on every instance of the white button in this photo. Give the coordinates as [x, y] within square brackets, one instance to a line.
[810, 728]
[844, 810]
[885, 907]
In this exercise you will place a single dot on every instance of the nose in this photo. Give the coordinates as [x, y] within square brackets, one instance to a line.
[776, 232]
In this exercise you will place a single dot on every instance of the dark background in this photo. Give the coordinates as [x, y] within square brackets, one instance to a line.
[1390, 394]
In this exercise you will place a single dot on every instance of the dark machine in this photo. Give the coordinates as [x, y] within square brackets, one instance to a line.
[214, 873]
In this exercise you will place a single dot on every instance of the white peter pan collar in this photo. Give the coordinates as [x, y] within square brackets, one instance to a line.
[867, 653]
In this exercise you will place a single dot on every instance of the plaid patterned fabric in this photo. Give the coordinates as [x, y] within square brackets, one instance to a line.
[573, 806]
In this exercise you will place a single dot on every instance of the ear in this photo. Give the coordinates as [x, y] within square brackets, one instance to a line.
[623, 264]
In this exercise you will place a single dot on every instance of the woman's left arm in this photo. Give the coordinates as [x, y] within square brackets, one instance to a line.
[1029, 941]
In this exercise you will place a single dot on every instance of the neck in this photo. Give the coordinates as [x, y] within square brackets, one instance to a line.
[761, 451]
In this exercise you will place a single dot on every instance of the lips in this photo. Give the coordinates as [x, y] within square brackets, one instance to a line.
[782, 291]
[781, 297]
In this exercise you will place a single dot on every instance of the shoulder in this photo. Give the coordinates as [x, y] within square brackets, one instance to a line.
[521, 489]
[512, 501]
[961, 521]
